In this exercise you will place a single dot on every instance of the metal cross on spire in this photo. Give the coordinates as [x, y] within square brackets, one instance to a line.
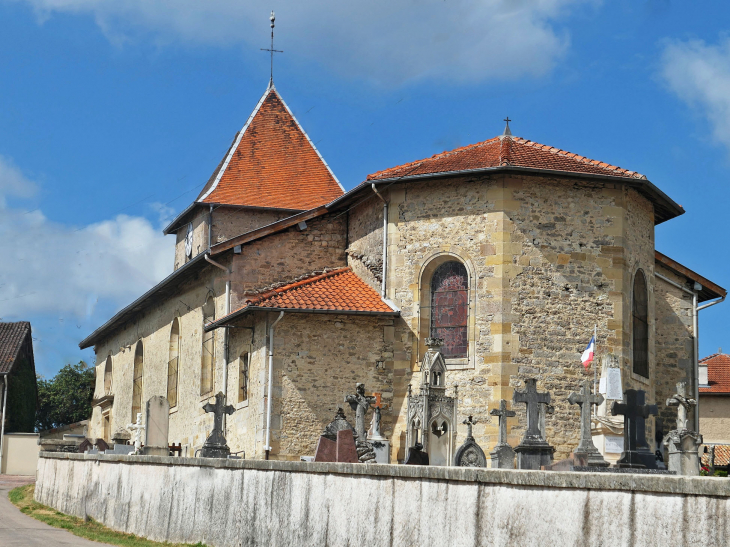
[271, 49]
[506, 129]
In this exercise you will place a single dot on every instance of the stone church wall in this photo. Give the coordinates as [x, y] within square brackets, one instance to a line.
[284, 256]
[365, 233]
[188, 423]
[674, 343]
[549, 257]
[200, 236]
[229, 222]
[243, 502]
[318, 359]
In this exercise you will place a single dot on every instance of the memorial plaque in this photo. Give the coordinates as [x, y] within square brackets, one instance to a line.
[614, 389]
[614, 444]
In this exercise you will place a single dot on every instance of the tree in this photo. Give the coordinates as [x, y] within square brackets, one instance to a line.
[65, 398]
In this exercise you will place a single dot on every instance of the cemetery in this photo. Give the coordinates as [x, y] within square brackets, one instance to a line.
[440, 494]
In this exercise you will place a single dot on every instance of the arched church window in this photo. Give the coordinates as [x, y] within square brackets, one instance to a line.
[173, 363]
[108, 376]
[208, 351]
[137, 374]
[243, 378]
[450, 308]
[640, 315]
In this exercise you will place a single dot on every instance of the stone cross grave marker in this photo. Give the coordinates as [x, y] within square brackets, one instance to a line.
[360, 403]
[586, 449]
[157, 427]
[683, 404]
[503, 414]
[532, 400]
[635, 412]
[533, 452]
[137, 429]
[215, 445]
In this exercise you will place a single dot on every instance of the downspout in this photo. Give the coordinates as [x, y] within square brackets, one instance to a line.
[2, 427]
[225, 332]
[383, 285]
[267, 448]
[696, 343]
[210, 227]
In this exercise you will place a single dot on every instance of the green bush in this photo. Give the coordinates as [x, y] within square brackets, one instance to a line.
[720, 473]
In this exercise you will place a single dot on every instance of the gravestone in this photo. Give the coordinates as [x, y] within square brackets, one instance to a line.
[635, 413]
[470, 454]
[326, 450]
[416, 455]
[503, 455]
[156, 427]
[683, 444]
[586, 451]
[360, 403]
[137, 429]
[121, 436]
[327, 446]
[215, 445]
[533, 452]
[347, 451]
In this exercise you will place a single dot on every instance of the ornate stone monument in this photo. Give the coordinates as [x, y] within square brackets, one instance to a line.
[682, 443]
[635, 412]
[360, 403]
[215, 445]
[503, 455]
[431, 415]
[137, 429]
[533, 452]
[586, 452]
[157, 424]
[470, 454]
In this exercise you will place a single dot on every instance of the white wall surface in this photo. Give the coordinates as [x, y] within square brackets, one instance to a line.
[236, 503]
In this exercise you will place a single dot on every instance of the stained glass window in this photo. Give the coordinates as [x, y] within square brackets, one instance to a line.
[640, 312]
[450, 308]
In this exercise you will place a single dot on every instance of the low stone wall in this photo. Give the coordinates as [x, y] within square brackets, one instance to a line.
[251, 502]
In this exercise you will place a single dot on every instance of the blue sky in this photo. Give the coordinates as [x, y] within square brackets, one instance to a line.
[114, 113]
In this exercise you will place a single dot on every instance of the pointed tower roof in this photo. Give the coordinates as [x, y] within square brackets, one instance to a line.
[271, 163]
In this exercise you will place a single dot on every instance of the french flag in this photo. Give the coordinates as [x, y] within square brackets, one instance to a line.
[587, 356]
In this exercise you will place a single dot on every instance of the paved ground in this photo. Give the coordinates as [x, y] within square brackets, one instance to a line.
[17, 529]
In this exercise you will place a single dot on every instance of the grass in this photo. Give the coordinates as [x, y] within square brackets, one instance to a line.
[22, 497]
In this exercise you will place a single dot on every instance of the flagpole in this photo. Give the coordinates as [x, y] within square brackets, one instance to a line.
[595, 365]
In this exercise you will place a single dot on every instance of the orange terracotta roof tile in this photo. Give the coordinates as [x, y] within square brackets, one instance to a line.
[272, 163]
[718, 373]
[339, 289]
[503, 151]
[722, 455]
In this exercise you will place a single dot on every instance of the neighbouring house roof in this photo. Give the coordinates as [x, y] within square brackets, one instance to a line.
[510, 153]
[271, 164]
[163, 289]
[722, 455]
[709, 291]
[718, 374]
[12, 336]
[338, 291]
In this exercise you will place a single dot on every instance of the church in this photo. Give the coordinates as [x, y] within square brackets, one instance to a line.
[286, 291]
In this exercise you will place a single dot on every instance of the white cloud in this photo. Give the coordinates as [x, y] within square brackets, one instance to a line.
[388, 41]
[13, 182]
[49, 267]
[700, 75]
